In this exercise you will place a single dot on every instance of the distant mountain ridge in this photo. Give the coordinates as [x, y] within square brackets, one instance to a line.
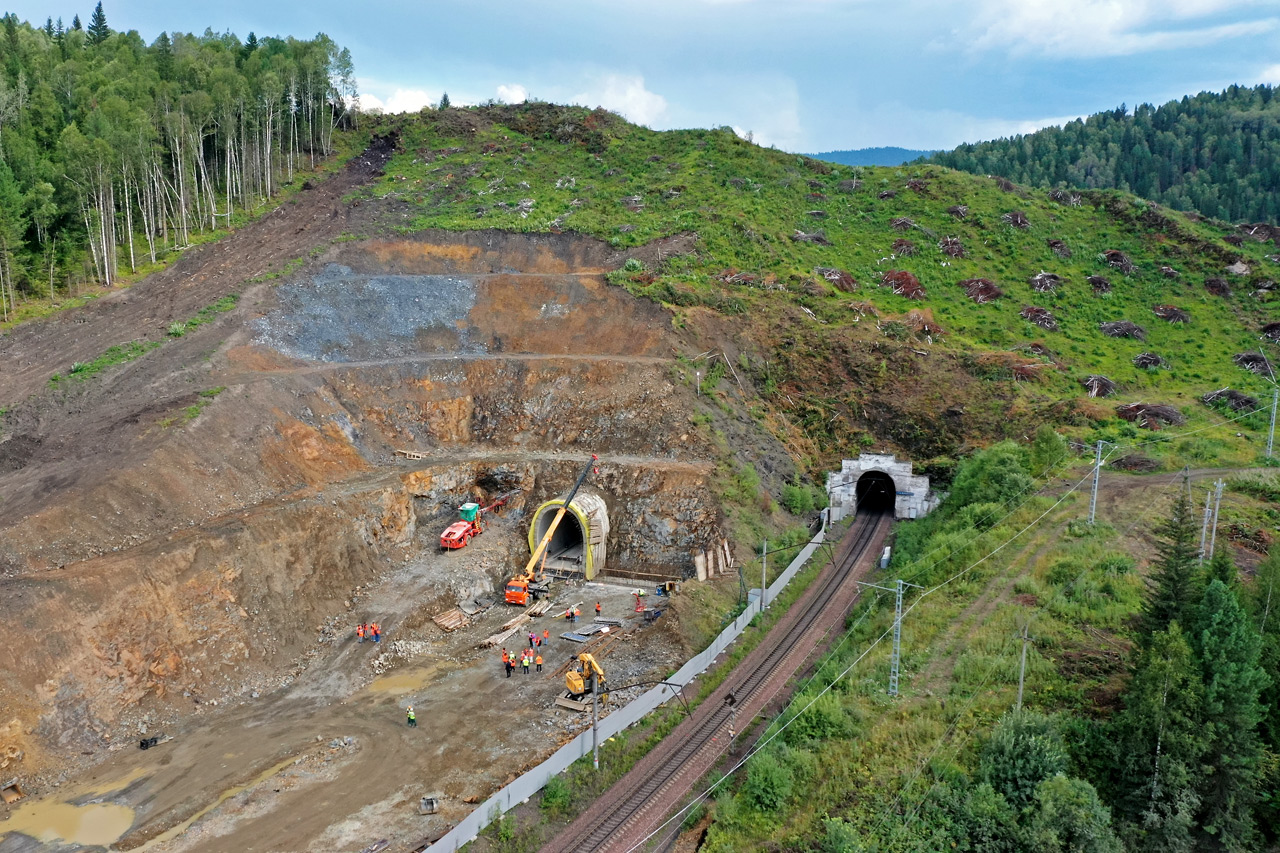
[885, 156]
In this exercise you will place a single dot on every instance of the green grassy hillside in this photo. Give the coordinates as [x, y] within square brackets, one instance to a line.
[842, 365]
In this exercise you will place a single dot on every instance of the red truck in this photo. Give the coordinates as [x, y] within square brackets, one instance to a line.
[458, 534]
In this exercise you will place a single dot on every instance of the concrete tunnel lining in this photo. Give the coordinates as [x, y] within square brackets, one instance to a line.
[578, 545]
[876, 492]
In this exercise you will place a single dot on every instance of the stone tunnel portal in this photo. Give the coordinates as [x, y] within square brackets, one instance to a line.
[876, 492]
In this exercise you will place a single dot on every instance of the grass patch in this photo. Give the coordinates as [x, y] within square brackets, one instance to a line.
[119, 354]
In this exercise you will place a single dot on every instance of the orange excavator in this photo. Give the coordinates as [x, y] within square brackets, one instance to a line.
[530, 584]
[458, 534]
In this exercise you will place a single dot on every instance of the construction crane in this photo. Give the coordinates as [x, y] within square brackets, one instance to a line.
[458, 534]
[531, 583]
[585, 680]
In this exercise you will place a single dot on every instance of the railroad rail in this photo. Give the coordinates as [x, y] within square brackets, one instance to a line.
[625, 817]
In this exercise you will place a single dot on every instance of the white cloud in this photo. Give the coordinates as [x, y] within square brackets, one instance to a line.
[1270, 75]
[513, 94]
[390, 98]
[1092, 28]
[627, 95]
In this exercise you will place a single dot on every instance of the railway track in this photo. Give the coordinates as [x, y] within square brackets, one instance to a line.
[625, 817]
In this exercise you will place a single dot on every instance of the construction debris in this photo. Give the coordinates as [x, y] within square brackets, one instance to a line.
[981, 290]
[951, 246]
[1017, 219]
[450, 620]
[1098, 386]
[1151, 416]
[509, 628]
[1045, 282]
[903, 283]
[1254, 362]
[1099, 284]
[1040, 317]
[1118, 260]
[1123, 329]
[1234, 400]
[842, 280]
[411, 454]
[1149, 360]
[1171, 313]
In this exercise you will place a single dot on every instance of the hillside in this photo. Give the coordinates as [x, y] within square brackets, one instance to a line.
[1217, 153]
[210, 476]
[884, 156]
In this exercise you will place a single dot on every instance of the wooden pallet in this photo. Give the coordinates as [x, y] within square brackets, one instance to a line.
[411, 454]
[450, 620]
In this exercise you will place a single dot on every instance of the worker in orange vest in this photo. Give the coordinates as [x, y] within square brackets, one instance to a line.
[506, 662]
[568, 614]
[538, 660]
[377, 632]
[597, 608]
[546, 636]
[577, 611]
[360, 632]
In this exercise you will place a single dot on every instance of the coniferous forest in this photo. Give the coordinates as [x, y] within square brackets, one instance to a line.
[1217, 153]
[114, 152]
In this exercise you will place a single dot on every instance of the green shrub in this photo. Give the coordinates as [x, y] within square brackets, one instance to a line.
[769, 782]
[556, 797]
[797, 498]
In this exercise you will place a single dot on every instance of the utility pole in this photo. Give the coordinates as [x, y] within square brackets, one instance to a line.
[1097, 469]
[1204, 527]
[1271, 432]
[1022, 668]
[595, 720]
[1217, 502]
[896, 656]
[764, 576]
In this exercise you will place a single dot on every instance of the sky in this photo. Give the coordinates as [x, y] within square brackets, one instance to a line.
[801, 75]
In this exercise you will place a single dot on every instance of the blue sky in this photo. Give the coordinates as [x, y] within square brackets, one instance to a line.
[804, 75]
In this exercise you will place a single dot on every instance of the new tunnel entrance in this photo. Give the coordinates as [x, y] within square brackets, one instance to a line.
[876, 492]
[577, 547]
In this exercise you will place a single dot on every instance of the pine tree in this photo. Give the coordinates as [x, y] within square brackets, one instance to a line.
[98, 29]
[48, 27]
[75, 23]
[444, 101]
[1157, 742]
[1175, 578]
[1233, 682]
[1223, 568]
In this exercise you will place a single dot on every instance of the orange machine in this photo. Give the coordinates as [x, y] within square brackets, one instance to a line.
[458, 534]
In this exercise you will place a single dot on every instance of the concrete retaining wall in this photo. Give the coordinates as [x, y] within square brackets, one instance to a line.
[533, 781]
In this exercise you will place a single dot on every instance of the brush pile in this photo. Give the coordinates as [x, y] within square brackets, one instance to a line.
[903, 283]
[1151, 416]
[1233, 400]
[1136, 463]
[848, 185]
[951, 247]
[884, 194]
[1005, 184]
[1254, 362]
[981, 290]
[1040, 317]
[918, 185]
[920, 321]
[1116, 259]
[732, 275]
[1148, 361]
[1017, 219]
[1070, 199]
[1045, 282]
[1217, 286]
[1271, 332]
[1168, 272]
[1098, 386]
[1171, 314]
[1099, 284]
[902, 223]
[841, 279]
[1060, 248]
[903, 248]
[959, 211]
[1123, 329]
[817, 237]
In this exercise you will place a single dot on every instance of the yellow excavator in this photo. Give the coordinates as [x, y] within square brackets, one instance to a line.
[530, 584]
[581, 683]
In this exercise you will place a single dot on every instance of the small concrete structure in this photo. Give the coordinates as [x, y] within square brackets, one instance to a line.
[871, 479]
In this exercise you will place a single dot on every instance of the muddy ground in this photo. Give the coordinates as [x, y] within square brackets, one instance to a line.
[187, 539]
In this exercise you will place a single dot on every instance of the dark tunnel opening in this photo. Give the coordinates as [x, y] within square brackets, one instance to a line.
[565, 550]
[876, 492]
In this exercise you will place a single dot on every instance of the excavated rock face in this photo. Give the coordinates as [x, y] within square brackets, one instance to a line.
[178, 528]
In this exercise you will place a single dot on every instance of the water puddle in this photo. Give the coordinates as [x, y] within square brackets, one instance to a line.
[408, 681]
[51, 821]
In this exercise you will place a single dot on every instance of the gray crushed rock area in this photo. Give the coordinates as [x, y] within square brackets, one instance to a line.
[340, 316]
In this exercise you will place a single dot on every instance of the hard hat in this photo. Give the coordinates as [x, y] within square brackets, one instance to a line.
[410, 707]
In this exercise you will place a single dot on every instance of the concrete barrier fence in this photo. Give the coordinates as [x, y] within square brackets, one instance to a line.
[535, 779]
